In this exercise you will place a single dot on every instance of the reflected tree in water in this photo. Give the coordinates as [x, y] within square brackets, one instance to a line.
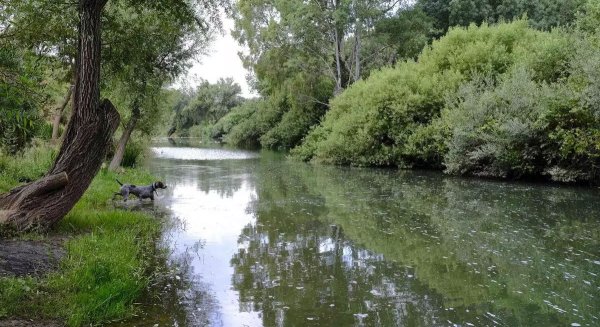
[424, 250]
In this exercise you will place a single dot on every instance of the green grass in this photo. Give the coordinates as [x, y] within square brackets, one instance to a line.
[109, 262]
[28, 165]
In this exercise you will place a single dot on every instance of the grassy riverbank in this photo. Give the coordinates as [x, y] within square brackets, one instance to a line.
[109, 253]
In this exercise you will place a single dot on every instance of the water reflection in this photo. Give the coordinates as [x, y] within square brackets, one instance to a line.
[210, 197]
[201, 154]
[277, 243]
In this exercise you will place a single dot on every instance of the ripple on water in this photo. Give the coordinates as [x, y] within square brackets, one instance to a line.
[202, 154]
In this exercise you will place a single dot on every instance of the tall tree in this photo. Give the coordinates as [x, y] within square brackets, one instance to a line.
[148, 49]
[328, 32]
[46, 201]
[93, 122]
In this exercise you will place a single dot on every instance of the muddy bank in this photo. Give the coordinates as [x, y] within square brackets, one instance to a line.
[30, 258]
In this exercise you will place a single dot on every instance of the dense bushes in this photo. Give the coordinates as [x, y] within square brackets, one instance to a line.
[383, 120]
[19, 99]
[533, 122]
[501, 101]
[271, 123]
[263, 115]
[233, 118]
[495, 129]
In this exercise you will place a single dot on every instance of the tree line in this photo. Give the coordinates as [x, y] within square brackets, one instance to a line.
[504, 89]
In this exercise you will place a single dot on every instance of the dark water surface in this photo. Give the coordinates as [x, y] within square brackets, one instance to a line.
[269, 242]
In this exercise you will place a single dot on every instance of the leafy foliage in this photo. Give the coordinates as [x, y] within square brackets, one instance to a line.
[494, 130]
[20, 98]
[497, 101]
[206, 105]
[233, 118]
[302, 53]
[542, 14]
[262, 116]
[373, 122]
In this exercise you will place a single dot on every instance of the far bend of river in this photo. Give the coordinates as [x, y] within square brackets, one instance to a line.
[270, 242]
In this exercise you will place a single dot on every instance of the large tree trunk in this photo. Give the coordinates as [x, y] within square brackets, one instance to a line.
[120, 151]
[58, 113]
[41, 204]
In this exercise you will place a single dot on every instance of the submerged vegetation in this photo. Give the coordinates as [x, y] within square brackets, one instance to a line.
[110, 253]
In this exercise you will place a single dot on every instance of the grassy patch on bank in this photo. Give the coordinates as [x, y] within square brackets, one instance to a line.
[109, 260]
[28, 165]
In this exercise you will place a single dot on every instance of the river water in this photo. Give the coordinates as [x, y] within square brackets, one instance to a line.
[264, 241]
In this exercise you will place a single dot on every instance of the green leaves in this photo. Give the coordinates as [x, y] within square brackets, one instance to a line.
[20, 99]
[542, 14]
[501, 101]
[208, 103]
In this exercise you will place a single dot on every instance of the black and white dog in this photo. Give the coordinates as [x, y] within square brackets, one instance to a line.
[142, 192]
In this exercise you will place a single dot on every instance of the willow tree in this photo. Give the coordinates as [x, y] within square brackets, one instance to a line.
[148, 48]
[42, 203]
[47, 200]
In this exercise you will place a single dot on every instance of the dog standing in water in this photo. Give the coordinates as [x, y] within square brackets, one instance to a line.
[142, 192]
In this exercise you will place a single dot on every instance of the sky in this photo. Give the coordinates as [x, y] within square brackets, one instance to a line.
[221, 61]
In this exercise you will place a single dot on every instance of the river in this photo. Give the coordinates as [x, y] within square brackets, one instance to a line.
[264, 241]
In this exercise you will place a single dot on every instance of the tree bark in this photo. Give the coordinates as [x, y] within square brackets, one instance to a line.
[357, 51]
[58, 113]
[86, 140]
[337, 33]
[120, 151]
[338, 64]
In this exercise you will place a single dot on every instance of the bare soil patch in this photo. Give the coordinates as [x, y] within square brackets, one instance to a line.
[30, 258]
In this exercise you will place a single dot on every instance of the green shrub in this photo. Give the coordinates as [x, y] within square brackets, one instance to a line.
[493, 127]
[426, 146]
[266, 115]
[201, 131]
[368, 122]
[294, 124]
[233, 118]
[589, 17]
[547, 55]
[372, 122]
[393, 117]
[133, 150]
[573, 125]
